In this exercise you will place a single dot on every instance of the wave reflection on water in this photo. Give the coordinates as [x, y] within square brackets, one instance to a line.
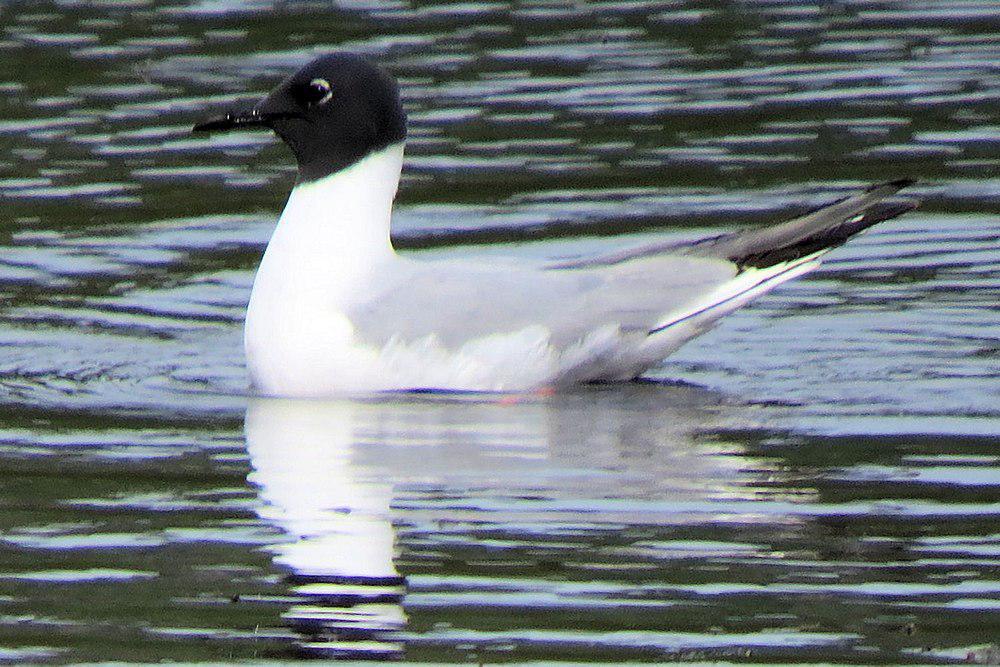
[645, 522]
[373, 483]
[832, 497]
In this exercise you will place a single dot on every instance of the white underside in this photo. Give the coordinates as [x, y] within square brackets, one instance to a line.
[330, 263]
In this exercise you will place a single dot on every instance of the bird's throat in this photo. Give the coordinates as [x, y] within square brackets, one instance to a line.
[338, 223]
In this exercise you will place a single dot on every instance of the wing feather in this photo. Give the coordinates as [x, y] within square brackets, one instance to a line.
[825, 227]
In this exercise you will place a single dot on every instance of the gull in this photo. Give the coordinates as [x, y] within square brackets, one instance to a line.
[336, 310]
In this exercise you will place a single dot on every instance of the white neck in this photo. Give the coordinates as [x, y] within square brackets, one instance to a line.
[332, 237]
[337, 224]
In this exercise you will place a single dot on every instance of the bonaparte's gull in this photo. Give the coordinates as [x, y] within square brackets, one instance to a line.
[335, 309]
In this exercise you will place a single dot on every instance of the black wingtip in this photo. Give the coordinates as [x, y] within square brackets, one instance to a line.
[828, 238]
[897, 184]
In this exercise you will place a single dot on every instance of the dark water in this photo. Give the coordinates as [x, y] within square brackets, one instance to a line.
[816, 480]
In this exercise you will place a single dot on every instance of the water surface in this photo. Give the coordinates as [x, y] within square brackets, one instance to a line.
[816, 480]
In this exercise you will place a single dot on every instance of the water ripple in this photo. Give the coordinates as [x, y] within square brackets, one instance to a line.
[830, 498]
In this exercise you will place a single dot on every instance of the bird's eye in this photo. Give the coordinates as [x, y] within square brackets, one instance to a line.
[317, 92]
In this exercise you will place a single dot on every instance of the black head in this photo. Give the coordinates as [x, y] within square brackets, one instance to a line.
[331, 113]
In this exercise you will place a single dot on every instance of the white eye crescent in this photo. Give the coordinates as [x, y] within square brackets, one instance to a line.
[319, 91]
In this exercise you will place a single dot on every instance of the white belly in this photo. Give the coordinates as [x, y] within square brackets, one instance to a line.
[296, 349]
[301, 342]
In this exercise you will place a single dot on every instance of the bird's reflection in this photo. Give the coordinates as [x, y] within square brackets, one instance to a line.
[331, 475]
[336, 514]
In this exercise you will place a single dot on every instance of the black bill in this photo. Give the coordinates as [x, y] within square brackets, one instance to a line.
[232, 121]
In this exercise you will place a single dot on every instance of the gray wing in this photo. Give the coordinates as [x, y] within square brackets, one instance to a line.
[461, 301]
[631, 289]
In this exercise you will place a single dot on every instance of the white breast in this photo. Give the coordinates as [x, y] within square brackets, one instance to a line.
[331, 241]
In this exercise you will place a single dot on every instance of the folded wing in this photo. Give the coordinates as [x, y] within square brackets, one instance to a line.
[655, 297]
